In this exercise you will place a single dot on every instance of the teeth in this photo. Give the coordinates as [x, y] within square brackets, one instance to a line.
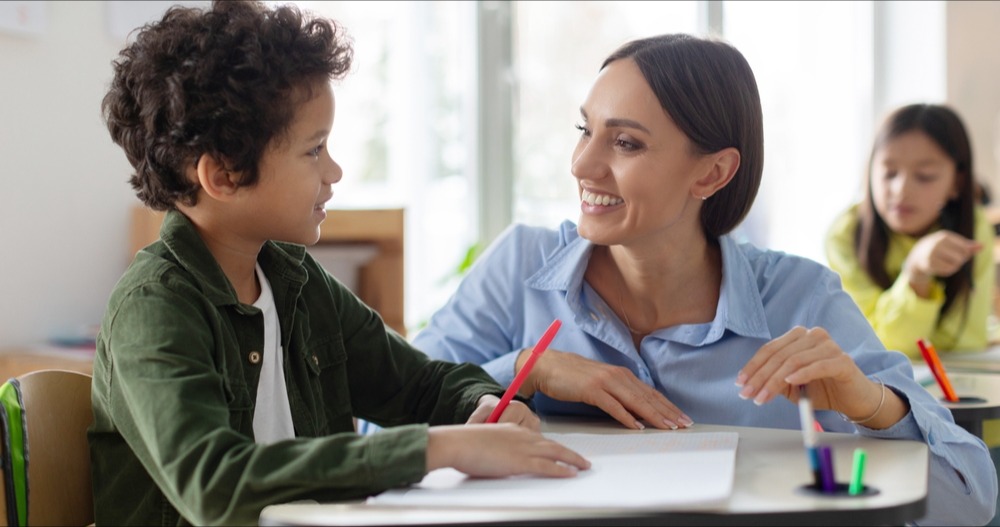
[599, 199]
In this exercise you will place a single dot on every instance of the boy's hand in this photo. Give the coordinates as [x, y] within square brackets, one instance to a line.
[516, 412]
[500, 450]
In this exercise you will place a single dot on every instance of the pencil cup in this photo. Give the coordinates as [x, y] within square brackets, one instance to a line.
[964, 399]
[840, 491]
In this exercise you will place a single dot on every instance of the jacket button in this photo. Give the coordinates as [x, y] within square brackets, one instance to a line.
[254, 357]
[315, 360]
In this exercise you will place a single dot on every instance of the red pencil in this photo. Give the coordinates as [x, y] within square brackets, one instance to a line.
[931, 357]
[515, 385]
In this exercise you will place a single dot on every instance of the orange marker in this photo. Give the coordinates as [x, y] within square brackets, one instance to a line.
[934, 363]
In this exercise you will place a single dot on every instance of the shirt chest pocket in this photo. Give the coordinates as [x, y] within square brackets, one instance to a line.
[326, 362]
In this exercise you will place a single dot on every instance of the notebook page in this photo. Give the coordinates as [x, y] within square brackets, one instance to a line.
[652, 469]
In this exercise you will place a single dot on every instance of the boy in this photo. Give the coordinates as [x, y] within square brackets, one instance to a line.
[229, 365]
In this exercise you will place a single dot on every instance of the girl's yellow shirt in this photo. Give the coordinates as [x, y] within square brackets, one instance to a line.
[899, 316]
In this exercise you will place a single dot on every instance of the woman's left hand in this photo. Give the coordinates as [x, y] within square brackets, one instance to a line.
[834, 382]
[516, 412]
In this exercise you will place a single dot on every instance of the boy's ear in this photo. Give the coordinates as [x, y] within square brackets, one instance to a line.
[215, 178]
[721, 171]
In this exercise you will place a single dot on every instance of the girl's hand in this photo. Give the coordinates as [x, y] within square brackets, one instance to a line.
[938, 255]
[516, 412]
[500, 450]
[614, 389]
[834, 381]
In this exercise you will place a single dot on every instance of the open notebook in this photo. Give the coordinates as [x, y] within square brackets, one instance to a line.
[652, 469]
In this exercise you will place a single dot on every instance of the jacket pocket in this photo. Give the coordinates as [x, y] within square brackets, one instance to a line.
[327, 363]
[240, 408]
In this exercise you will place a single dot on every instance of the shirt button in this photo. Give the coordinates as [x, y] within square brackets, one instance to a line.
[593, 316]
[254, 357]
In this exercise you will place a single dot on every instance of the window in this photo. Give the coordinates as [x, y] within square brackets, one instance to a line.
[411, 131]
[558, 49]
[402, 135]
[813, 66]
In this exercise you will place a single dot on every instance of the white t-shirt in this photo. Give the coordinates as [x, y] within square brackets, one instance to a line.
[272, 417]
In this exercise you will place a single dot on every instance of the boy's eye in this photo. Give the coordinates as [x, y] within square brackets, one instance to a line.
[315, 151]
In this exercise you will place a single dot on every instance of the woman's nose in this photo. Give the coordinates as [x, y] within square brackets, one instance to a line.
[588, 162]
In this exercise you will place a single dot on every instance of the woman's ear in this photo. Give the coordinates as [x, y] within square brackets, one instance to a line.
[724, 164]
[215, 178]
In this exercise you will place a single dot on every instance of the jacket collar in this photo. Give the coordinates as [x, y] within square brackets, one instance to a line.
[181, 238]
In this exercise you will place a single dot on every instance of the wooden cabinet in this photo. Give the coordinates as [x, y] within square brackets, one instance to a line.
[379, 281]
[18, 361]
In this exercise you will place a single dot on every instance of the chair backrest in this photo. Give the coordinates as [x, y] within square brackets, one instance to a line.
[57, 411]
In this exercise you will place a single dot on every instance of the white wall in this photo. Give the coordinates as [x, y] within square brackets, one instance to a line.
[973, 59]
[64, 198]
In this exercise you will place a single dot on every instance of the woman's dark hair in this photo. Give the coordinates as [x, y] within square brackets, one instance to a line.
[871, 240]
[224, 81]
[709, 90]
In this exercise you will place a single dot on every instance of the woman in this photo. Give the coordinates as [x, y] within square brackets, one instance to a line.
[667, 319]
[916, 253]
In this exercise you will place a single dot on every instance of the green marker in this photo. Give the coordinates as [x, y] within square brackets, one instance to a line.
[857, 473]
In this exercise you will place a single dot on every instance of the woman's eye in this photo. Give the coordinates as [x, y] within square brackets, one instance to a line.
[583, 129]
[627, 144]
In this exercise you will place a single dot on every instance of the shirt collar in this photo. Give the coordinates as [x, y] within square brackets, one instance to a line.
[179, 235]
[740, 308]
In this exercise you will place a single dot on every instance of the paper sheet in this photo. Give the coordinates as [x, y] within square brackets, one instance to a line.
[651, 469]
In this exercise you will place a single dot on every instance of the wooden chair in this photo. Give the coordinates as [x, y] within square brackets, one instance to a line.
[57, 411]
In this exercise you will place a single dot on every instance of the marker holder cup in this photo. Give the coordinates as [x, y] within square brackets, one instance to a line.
[964, 399]
[840, 491]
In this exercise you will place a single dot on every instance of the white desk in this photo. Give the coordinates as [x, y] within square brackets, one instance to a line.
[979, 398]
[771, 470]
[986, 361]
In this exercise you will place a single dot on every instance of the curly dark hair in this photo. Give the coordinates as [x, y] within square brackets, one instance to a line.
[217, 81]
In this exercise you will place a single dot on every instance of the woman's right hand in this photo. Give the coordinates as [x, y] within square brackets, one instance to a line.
[500, 450]
[939, 254]
[614, 389]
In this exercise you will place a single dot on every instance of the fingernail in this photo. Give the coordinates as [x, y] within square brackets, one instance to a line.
[761, 397]
[741, 379]
[745, 392]
[686, 421]
[640, 426]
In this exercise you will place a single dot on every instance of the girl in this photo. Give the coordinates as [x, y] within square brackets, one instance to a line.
[916, 253]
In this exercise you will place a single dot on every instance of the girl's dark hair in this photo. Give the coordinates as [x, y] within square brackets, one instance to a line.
[709, 90]
[871, 240]
[224, 81]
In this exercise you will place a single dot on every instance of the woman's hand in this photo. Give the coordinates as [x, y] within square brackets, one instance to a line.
[938, 255]
[834, 381]
[516, 412]
[614, 389]
[500, 450]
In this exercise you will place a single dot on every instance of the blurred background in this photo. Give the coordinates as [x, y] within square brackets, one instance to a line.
[462, 113]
